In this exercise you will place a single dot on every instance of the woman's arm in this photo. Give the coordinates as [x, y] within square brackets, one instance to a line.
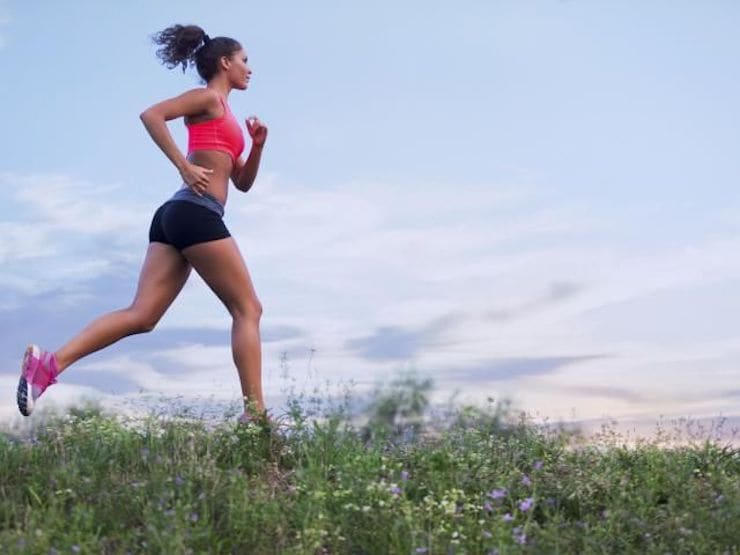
[244, 173]
[191, 103]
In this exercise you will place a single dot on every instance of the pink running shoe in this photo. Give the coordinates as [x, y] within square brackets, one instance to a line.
[39, 371]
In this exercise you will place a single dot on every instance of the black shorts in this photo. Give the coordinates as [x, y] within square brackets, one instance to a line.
[182, 223]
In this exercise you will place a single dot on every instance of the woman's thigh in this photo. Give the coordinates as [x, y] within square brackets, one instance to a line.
[222, 267]
[163, 275]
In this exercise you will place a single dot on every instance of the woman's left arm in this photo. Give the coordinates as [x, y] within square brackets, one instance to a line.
[244, 174]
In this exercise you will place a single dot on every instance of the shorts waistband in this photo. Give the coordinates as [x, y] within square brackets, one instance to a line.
[209, 201]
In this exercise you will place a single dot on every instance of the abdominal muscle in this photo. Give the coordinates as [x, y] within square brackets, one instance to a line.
[221, 164]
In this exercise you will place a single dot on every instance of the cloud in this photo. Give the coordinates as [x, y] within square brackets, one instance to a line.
[609, 392]
[357, 278]
[60, 231]
[496, 369]
[557, 292]
[396, 343]
[105, 382]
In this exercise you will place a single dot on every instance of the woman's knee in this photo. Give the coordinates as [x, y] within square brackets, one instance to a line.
[247, 308]
[142, 320]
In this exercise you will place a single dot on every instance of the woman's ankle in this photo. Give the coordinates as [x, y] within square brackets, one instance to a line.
[253, 407]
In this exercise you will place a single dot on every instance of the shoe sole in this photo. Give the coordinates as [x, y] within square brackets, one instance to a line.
[24, 395]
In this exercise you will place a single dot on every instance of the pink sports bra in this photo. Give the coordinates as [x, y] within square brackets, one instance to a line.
[221, 133]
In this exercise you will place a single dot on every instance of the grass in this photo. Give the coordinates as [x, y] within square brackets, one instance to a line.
[472, 480]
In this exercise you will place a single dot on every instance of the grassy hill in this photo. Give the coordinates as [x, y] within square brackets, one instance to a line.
[476, 481]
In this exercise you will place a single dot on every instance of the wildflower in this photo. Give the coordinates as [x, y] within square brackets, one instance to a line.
[395, 490]
[179, 480]
[404, 475]
[497, 493]
[421, 550]
[194, 517]
[488, 507]
[507, 517]
[525, 505]
[537, 465]
[520, 538]
[526, 481]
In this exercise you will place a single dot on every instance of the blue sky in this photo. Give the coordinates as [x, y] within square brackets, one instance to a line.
[535, 200]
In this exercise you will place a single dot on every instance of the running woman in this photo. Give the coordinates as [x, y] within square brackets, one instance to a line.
[187, 231]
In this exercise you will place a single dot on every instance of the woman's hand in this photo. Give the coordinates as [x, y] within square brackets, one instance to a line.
[257, 131]
[196, 177]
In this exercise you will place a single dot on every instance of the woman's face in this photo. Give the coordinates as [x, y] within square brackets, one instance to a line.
[238, 71]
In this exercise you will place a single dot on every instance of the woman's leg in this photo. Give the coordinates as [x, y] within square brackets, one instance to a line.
[162, 277]
[222, 267]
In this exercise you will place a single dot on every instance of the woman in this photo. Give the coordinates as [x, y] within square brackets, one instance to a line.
[187, 231]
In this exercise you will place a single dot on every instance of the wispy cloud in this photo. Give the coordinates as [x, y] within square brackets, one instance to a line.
[489, 288]
[398, 343]
[61, 231]
[496, 369]
[557, 291]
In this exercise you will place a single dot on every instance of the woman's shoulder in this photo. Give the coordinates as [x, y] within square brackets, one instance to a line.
[204, 94]
[208, 102]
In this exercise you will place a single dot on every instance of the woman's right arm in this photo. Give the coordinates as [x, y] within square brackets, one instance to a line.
[191, 103]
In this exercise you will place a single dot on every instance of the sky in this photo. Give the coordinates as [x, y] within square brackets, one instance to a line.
[527, 200]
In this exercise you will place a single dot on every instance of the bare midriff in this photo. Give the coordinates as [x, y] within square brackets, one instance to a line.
[221, 164]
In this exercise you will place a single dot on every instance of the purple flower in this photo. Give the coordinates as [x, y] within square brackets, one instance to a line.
[507, 517]
[537, 465]
[395, 490]
[497, 493]
[520, 538]
[404, 475]
[525, 505]
[421, 550]
[179, 480]
[488, 507]
[526, 481]
[194, 517]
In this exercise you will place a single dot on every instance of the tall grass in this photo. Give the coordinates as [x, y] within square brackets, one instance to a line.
[399, 479]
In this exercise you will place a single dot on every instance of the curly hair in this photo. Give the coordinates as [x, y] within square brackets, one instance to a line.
[190, 45]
